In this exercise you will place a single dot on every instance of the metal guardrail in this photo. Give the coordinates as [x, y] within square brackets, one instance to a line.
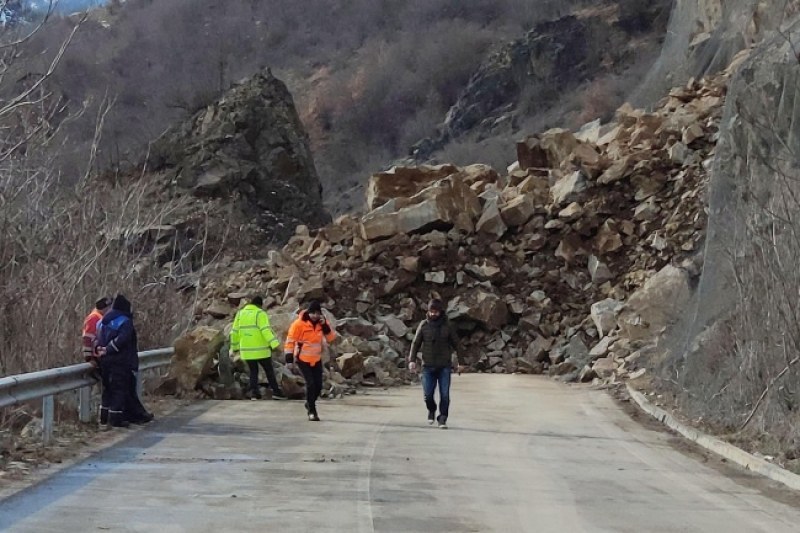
[45, 384]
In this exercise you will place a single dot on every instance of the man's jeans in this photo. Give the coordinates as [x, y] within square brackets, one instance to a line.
[430, 377]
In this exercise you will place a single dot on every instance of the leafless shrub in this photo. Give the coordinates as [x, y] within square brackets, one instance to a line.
[62, 245]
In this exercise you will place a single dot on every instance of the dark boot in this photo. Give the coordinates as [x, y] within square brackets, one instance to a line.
[117, 420]
[142, 420]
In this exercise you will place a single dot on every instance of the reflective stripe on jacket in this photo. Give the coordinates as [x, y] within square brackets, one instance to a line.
[304, 339]
[89, 333]
[252, 334]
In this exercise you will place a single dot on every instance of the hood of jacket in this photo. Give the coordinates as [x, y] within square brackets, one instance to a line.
[122, 305]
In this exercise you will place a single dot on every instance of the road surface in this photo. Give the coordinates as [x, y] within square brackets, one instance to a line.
[522, 454]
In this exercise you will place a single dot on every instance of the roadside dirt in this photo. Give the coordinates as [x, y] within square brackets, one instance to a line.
[765, 486]
[28, 461]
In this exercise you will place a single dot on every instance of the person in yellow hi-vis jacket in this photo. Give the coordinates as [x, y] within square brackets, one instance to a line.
[252, 337]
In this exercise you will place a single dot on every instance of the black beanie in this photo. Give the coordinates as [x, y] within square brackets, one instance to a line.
[314, 307]
[102, 303]
[121, 304]
[436, 304]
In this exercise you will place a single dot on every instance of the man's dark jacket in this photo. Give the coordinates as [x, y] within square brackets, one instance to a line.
[118, 335]
[438, 340]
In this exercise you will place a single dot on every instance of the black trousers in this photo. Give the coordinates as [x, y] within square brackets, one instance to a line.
[313, 377]
[120, 395]
[266, 364]
[119, 383]
[134, 410]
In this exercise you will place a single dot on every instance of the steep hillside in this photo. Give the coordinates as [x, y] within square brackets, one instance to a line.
[704, 36]
[733, 361]
[370, 80]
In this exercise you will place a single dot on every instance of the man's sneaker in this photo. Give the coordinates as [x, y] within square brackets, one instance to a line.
[442, 422]
[278, 395]
[313, 417]
[431, 417]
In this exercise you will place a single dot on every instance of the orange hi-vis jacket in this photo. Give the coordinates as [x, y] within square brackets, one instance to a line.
[304, 339]
[90, 332]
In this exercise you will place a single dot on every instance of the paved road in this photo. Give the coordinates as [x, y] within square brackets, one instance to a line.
[522, 454]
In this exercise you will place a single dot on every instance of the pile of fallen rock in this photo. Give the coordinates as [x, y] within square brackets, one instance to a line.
[568, 264]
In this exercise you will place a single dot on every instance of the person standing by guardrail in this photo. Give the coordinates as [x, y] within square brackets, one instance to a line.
[89, 342]
[304, 345]
[119, 358]
[252, 337]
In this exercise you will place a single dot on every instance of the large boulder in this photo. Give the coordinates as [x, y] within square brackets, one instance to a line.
[249, 146]
[445, 204]
[651, 309]
[403, 182]
[350, 364]
[194, 357]
[479, 306]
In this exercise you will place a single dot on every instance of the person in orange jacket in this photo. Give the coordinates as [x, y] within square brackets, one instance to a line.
[89, 342]
[304, 346]
[89, 333]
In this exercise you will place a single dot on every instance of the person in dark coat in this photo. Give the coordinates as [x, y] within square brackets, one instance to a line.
[438, 341]
[120, 362]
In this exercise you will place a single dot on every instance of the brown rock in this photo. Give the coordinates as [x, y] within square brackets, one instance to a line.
[568, 188]
[655, 306]
[350, 364]
[194, 357]
[518, 210]
[491, 222]
[403, 182]
[480, 306]
[569, 248]
[604, 367]
[446, 203]
[219, 310]
[618, 170]
[531, 154]
[599, 271]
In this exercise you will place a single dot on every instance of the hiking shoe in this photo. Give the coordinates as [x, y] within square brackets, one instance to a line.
[442, 422]
[313, 417]
[431, 417]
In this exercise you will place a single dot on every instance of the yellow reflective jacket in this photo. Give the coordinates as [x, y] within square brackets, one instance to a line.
[252, 335]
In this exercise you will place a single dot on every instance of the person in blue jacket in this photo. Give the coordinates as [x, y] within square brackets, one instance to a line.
[119, 361]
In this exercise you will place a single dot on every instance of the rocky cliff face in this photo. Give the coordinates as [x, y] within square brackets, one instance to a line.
[704, 36]
[735, 356]
[549, 61]
[251, 148]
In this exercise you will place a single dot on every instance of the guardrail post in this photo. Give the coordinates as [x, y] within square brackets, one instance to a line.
[85, 404]
[48, 408]
[139, 386]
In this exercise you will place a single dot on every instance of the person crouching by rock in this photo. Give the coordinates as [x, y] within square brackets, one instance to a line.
[438, 341]
[304, 346]
[119, 359]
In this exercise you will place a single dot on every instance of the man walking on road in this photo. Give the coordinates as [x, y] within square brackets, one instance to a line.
[304, 344]
[253, 338]
[438, 341]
